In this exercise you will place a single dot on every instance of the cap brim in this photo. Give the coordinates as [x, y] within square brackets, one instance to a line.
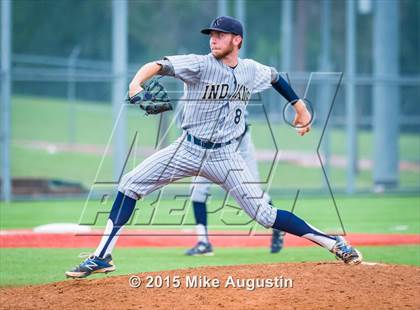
[208, 30]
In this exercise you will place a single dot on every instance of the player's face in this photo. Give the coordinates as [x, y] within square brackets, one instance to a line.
[221, 44]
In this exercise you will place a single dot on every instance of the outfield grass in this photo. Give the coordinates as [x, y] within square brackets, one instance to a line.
[84, 168]
[37, 118]
[382, 214]
[48, 265]
[47, 119]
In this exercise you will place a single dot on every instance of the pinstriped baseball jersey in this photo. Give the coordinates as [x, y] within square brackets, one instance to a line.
[215, 98]
[215, 95]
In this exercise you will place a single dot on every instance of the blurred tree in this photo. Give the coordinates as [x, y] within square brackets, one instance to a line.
[263, 30]
[162, 27]
[159, 28]
[409, 36]
[49, 27]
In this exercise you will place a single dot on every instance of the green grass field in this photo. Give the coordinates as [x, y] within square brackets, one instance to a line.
[37, 118]
[47, 119]
[381, 214]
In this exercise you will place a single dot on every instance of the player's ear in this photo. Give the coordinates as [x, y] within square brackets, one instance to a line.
[237, 41]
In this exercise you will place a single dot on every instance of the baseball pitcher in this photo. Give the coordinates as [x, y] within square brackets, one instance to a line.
[217, 87]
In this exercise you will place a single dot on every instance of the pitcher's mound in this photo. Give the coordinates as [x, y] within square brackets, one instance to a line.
[287, 286]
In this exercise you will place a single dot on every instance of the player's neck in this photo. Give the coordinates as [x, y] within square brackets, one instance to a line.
[231, 59]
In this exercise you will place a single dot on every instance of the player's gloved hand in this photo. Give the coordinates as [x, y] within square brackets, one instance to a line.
[153, 98]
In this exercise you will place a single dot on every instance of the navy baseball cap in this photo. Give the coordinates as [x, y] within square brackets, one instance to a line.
[225, 24]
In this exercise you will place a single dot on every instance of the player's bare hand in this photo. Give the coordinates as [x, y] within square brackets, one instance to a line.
[145, 73]
[134, 90]
[302, 121]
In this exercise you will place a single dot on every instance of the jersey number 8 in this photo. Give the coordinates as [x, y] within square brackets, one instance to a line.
[238, 113]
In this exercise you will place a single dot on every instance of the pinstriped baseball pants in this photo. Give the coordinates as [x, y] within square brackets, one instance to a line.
[223, 166]
[200, 188]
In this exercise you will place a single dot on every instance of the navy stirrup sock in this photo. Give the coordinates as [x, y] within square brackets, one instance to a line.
[121, 210]
[200, 213]
[290, 223]
[120, 213]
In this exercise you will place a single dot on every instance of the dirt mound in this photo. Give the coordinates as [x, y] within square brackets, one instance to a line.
[313, 286]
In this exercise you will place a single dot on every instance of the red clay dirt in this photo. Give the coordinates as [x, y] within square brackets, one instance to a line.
[315, 286]
[29, 239]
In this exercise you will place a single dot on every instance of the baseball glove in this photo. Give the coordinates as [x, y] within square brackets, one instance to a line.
[153, 98]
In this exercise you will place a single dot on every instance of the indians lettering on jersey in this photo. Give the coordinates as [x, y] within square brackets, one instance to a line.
[213, 93]
[220, 91]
